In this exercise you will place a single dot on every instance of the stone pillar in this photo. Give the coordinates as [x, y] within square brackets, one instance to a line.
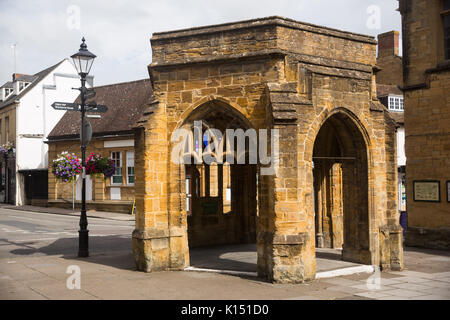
[152, 237]
[337, 217]
[285, 237]
[289, 238]
[391, 234]
[282, 243]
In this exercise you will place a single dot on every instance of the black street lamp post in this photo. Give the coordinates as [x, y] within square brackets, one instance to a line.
[83, 60]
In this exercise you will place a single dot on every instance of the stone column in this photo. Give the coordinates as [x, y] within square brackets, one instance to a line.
[151, 237]
[286, 240]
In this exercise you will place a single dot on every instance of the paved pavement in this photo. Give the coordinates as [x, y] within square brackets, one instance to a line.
[70, 212]
[36, 250]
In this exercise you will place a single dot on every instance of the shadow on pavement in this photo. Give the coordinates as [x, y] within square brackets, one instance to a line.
[229, 257]
[113, 251]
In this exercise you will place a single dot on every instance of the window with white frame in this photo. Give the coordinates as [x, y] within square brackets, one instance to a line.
[116, 157]
[396, 104]
[8, 91]
[130, 167]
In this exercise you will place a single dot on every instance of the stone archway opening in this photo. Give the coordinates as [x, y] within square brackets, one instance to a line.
[341, 192]
[221, 195]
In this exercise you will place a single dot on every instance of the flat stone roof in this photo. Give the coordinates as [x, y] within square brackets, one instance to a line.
[261, 22]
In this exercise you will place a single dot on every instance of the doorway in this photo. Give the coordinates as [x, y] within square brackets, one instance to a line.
[341, 191]
[221, 195]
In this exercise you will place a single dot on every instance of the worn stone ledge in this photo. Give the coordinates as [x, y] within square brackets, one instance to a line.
[286, 98]
[377, 106]
[327, 62]
[262, 54]
[263, 22]
[441, 67]
[288, 87]
[413, 87]
[331, 71]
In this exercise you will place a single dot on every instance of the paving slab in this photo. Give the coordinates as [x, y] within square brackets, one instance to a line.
[372, 294]
[404, 293]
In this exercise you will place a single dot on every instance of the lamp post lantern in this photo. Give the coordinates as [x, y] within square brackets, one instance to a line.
[83, 60]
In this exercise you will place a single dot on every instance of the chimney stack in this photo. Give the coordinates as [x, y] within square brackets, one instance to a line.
[15, 76]
[388, 44]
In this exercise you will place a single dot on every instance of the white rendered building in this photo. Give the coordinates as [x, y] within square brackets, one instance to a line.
[26, 119]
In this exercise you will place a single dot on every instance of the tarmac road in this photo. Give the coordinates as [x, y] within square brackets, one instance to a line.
[24, 233]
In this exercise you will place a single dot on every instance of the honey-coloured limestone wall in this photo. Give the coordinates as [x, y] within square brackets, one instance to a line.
[270, 73]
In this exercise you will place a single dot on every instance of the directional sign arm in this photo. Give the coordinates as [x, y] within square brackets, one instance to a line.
[96, 108]
[66, 106]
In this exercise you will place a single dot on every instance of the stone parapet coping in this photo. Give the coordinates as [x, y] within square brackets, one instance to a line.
[261, 22]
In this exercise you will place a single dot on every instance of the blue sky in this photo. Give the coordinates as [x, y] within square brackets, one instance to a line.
[119, 32]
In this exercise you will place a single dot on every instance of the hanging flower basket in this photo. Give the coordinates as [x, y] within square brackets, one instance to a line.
[6, 148]
[97, 165]
[66, 167]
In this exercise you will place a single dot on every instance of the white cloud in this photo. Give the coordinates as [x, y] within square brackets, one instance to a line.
[119, 32]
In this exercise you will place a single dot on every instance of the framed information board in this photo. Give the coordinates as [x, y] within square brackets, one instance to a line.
[448, 191]
[427, 191]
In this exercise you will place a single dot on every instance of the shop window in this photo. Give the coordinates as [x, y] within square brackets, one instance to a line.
[116, 157]
[130, 167]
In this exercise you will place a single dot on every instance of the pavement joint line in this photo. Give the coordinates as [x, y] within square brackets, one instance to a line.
[39, 293]
[345, 271]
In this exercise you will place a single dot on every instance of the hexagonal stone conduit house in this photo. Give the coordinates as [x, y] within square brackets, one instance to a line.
[336, 178]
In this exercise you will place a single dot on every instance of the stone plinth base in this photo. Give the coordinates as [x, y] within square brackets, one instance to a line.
[391, 248]
[159, 250]
[284, 258]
